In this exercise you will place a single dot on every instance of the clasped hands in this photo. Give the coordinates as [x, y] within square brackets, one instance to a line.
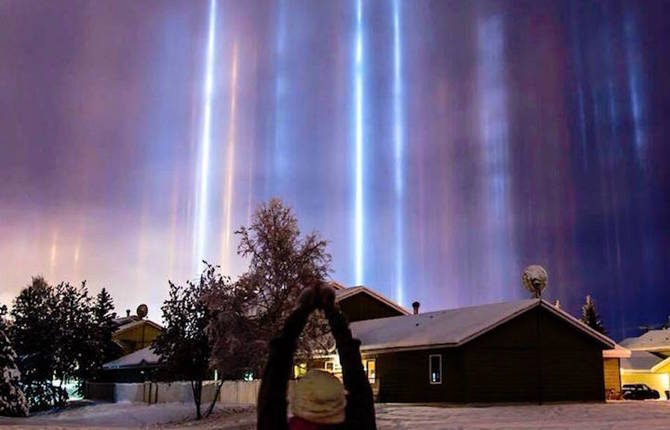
[317, 295]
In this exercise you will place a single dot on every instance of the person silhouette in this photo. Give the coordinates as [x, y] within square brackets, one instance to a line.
[319, 401]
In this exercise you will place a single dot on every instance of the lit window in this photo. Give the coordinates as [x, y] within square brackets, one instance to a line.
[435, 368]
[370, 369]
[299, 370]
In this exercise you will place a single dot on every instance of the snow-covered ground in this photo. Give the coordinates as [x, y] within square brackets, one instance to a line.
[651, 415]
[618, 415]
[132, 416]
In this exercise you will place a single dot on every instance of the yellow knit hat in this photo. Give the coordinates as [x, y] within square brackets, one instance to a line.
[319, 397]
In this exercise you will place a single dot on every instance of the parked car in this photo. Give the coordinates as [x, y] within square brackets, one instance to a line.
[639, 392]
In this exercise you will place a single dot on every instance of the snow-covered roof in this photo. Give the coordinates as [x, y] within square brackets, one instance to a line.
[344, 293]
[653, 340]
[130, 325]
[640, 360]
[144, 356]
[452, 327]
[618, 352]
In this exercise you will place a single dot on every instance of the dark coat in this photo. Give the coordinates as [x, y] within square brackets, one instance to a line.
[272, 403]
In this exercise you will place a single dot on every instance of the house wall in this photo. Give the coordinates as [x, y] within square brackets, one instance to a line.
[404, 376]
[517, 362]
[362, 306]
[612, 374]
[137, 337]
[503, 365]
[131, 374]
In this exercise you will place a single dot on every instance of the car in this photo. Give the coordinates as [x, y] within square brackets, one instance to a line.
[639, 392]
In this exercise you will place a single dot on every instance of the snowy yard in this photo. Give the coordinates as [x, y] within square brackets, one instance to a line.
[619, 415]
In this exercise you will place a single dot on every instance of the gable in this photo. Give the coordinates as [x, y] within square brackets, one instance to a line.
[362, 306]
[554, 332]
[136, 335]
[361, 303]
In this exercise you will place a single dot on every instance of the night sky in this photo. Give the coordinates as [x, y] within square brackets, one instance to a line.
[440, 146]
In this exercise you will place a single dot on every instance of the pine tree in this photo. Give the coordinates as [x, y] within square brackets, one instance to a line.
[34, 334]
[590, 315]
[12, 400]
[76, 335]
[53, 334]
[103, 329]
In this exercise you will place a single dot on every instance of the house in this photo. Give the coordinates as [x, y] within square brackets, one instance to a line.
[134, 332]
[649, 362]
[138, 366]
[524, 351]
[647, 368]
[654, 341]
[134, 335]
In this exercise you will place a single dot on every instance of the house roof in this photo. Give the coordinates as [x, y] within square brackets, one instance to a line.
[452, 327]
[640, 361]
[653, 340]
[130, 325]
[618, 352]
[144, 356]
[343, 293]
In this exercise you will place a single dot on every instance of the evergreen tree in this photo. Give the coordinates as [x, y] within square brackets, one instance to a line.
[105, 349]
[77, 344]
[53, 332]
[12, 400]
[590, 316]
[35, 335]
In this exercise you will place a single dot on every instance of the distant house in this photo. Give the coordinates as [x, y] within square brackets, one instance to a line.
[134, 335]
[138, 366]
[525, 351]
[649, 362]
[646, 368]
[654, 341]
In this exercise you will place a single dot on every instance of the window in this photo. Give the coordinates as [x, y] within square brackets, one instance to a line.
[299, 370]
[370, 369]
[435, 368]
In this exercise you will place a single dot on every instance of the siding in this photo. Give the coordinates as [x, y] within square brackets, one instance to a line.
[136, 338]
[507, 364]
[612, 377]
[362, 306]
[404, 377]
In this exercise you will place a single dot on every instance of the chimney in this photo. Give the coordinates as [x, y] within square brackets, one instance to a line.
[128, 313]
[415, 306]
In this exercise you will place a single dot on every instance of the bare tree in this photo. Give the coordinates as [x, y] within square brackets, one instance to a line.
[252, 311]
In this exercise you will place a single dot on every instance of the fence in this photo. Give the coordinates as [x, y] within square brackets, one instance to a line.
[236, 392]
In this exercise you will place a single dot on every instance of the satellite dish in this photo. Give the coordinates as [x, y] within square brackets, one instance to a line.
[534, 279]
[142, 310]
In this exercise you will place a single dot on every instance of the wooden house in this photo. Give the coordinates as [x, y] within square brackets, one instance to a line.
[525, 351]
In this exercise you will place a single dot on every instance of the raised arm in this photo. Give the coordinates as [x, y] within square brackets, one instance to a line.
[360, 412]
[272, 405]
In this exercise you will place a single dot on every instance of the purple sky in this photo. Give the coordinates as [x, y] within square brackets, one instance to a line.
[440, 146]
